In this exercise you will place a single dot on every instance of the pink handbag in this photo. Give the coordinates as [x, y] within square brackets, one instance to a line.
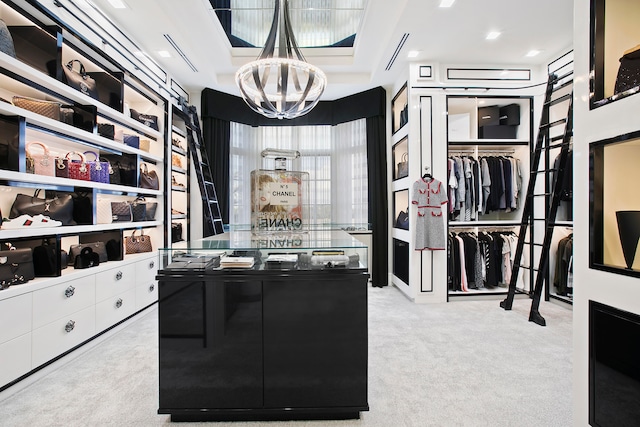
[40, 164]
[78, 169]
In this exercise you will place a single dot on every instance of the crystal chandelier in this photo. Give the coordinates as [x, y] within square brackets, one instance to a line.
[283, 86]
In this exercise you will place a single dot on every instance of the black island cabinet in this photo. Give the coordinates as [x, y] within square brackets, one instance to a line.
[254, 332]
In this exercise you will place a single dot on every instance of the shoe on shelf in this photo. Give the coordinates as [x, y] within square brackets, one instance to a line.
[176, 212]
[175, 182]
[27, 221]
[45, 221]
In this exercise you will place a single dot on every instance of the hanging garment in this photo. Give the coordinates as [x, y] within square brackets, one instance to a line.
[429, 195]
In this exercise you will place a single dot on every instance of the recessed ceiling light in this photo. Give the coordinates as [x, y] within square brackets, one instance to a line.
[493, 35]
[118, 4]
[412, 53]
[446, 3]
[532, 53]
[164, 53]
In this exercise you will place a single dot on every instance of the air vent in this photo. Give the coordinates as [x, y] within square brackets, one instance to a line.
[180, 52]
[396, 52]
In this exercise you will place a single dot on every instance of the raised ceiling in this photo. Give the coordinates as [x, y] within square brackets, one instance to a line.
[454, 35]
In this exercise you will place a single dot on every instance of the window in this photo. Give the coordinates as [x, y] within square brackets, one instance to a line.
[334, 156]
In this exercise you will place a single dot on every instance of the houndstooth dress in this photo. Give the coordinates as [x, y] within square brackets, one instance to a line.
[429, 195]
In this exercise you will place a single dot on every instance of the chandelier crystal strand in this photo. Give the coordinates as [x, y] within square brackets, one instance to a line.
[283, 86]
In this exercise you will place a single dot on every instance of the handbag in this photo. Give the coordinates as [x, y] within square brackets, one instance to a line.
[150, 208]
[42, 164]
[137, 244]
[80, 80]
[148, 179]
[16, 266]
[131, 140]
[45, 108]
[6, 41]
[147, 119]
[114, 174]
[86, 259]
[103, 212]
[121, 212]
[45, 259]
[62, 167]
[145, 145]
[78, 169]
[139, 211]
[106, 130]
[176, 161]
[403, 166]
[114, 250]
[403, 220]
[97, 248]
[176, 232]
[98, 169]
[59, 208]
[83, 207]
[127, 173]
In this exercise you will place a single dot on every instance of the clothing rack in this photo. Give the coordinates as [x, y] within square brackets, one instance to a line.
[481, 151]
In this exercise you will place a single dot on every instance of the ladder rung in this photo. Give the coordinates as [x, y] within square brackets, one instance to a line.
[556, 123]
[541, 194]
[559, 99]
[542, 171]
[562, 144]
[536, 244]
[563, 85]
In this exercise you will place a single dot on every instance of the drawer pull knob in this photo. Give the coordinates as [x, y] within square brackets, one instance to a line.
[119, 303]
[152, 264]
[119, 275]
[151, 288]
[69, 291]
[69, 326]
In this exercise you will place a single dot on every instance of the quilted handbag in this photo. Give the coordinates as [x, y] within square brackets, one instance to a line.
[137, 244]
[145, 145]
[121, 212]
[139, 211]
[99, 170]
[148, 179]
[403, 167]
[6, 41]
[78, 169]
[150, 208]
[103, 212]
[106, 130]
[97, 247]
[147, 119]
[59, 208]
[80, 80]
[16, 266]
[46, 108]
[40, 163]
[131, 140]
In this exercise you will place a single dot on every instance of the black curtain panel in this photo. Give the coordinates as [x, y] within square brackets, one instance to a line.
[217, 137]
[219, 109]
[378, 202]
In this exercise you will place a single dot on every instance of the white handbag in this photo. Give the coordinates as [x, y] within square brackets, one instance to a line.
[104, 211]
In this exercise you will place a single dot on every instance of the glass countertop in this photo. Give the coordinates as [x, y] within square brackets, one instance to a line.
[243, 239]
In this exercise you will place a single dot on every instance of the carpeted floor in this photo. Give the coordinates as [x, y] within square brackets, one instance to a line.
[466, 363]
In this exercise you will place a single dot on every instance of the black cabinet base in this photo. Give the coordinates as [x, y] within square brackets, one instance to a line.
[290, 414]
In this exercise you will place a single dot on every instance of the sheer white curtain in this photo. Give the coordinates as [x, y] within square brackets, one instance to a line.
[335, 157]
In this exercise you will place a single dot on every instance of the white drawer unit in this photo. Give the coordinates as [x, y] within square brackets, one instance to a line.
[115, 308]
[146, 294]
[146, 270]
[62, 300]
[15, 358]
[61, 335]
[15, 317]
[115, 281]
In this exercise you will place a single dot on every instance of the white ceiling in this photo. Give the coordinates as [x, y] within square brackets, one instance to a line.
[454, 35]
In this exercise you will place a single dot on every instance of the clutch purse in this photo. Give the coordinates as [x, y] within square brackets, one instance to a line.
[45, 108]
[16, 266]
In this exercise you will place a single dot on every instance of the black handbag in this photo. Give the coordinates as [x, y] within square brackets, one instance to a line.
[16, 266]
[147, 119]
[403, 220]
[106, 130]
[83, 208]
[114, 250]
[176, 232]
[121, 212]
[127, 173]
[86, 259]
[98, 248]
[150, 208]
[45, 259]
[403, 166]
[148, 179]
[59, 208]
[80, 80]
[139, 211]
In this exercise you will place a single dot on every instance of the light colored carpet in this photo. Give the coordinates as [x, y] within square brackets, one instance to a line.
[465, 363]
